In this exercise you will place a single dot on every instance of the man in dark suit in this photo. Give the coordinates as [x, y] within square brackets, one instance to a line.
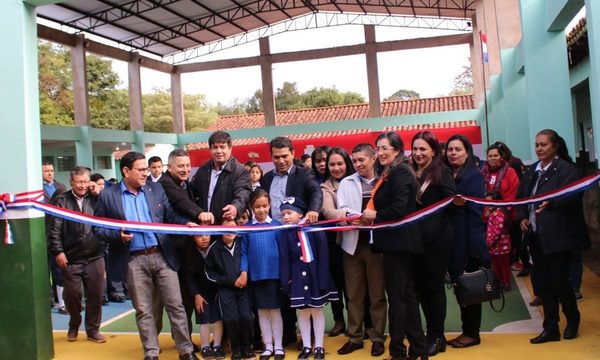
[221, 186]
[153, 259]
[175, 182]
[50, 185]
[290, 180]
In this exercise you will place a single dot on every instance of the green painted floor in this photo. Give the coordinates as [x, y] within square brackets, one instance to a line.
[515, 310]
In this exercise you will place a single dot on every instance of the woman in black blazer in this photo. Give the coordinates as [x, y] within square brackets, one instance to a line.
[469, 252]
[556, 229]
[429, 269]
[394, 197]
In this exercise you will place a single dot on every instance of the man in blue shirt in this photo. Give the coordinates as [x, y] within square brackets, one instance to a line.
[153, 258]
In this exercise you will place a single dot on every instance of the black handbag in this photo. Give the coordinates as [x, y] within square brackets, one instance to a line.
[478, 287]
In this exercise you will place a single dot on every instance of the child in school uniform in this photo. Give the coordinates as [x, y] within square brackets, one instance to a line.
[309, 285]
[260, 258]
[223, 268]
[205, 302]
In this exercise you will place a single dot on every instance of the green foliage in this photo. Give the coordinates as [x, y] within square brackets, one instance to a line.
[288, 97]
[403, 95]
[463, 82]
[56, 94]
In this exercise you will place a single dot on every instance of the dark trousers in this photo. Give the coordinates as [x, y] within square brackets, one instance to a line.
[518, 248]
[237, 317]
[554, 286]
[116, 268]
[429, 271]
[288, 315]
[404, 315]
[91, 276]
[336, 268]
[470, 315]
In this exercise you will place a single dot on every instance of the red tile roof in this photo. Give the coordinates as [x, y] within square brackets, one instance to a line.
[346, 112]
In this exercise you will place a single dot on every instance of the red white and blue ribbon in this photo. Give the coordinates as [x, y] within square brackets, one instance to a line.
[32, 200]
[307, 253]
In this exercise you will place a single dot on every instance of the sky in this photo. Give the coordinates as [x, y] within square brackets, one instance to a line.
[430, 72]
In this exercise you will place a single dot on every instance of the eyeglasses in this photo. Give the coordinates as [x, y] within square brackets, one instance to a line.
[384, 148]
[142, 170]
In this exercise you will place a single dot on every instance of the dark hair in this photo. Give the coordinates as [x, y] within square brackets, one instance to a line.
[96, 177]
[177, 153]
[435, 168]
[347, 160]
[219, 137]
[503, 150]
[258, 193]
[364, 147]
[47, 162]
[305, 157]
[470, 162]
[79, 170]
[255, 165]
[153, 160]
[559, 144]
[250, 163]
[281, 142]
[317, 151]
[397, 144]
[128, 159]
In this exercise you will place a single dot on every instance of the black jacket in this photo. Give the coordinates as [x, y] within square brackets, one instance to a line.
[396, 198]
[561, 225]
[76, 240]
[182, 200]
[233, 187]
[301, 184]
[222, 266]
[436, 227]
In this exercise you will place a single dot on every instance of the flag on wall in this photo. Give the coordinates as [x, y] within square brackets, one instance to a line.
[484, 49]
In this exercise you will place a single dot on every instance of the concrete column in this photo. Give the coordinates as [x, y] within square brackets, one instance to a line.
[592, 9]
[372, 72]
[84, 155]
[547, 75]
[266, 74]
[177, 104]
[80, 88]
[491, 30]
[476, 64]
[136, 119]
[25, 323]
[509, 23]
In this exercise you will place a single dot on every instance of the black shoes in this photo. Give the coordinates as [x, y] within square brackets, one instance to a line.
[319, 353]
[338, 328]
[377, 349]
[435, 346]
[188, 356]
[218, 352]
[545, 337]
[150, 357]
[571, 330]
[305, 353]
[350, 347]
[117, 298]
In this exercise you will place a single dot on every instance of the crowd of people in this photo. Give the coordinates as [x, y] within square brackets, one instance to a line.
[253, 289]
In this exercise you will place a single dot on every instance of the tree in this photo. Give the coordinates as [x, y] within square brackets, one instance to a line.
[288, 97]
[403, 95]
[56, 94]
[254, 103]
[463, 82]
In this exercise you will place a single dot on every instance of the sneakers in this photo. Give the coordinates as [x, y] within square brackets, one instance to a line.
[97, 338]
[207, 353]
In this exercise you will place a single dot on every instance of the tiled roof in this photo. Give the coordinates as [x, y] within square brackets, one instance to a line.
[442, 125]
[346, 112]
[577, 32]
[577, 43]
[234, 142]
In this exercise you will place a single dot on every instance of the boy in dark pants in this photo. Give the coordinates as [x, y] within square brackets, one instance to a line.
[223, 267]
